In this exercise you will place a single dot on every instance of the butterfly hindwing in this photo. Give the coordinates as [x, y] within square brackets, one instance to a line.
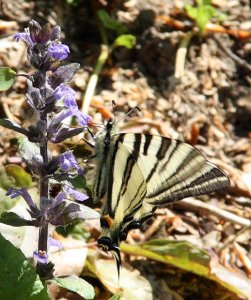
[174, 170]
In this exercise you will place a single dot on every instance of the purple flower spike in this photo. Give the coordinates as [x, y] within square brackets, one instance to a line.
[66, 93]
[58, 51]
[67, 161]
[41, 256]
[77, 195]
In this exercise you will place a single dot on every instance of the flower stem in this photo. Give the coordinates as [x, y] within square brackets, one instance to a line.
[42, 268]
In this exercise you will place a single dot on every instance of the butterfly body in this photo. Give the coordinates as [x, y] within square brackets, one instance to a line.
[138, 172]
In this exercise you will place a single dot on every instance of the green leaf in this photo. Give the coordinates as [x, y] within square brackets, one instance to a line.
[189, 257]
[19, 175]
[13, 126]
[78, 182]
[115, 297]
[191, 11]
[18, 279]
[204, 15]
[204, 2]
[14, 176]
[111, 23]
[13, 219]
[125, 40]
[7, 78]
[75, 284]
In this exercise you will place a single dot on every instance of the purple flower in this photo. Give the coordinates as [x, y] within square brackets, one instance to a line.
[41, 256]
[13, 193]
[54, 242]
[77, 195]
[67, 161]
[58, 51]
[24, 36]
[82, 118]
[60, 197]
[66, 93]
[64, 133]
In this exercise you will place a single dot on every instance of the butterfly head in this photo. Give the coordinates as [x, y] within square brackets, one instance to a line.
[108, 245]
[110, 238]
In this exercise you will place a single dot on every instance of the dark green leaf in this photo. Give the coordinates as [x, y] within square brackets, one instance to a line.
[78, 182]
[7, 78]
[13, 219]
[77, 285]
[18, 279]
[13, 126]
[111, 23]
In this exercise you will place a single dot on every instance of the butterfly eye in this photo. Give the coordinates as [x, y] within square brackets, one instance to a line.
[122, 235]
[105, 243]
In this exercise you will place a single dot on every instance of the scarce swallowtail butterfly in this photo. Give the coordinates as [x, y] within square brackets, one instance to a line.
[135, 173]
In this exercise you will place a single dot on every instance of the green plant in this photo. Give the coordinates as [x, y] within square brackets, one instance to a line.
[122, 39]
[202, 13]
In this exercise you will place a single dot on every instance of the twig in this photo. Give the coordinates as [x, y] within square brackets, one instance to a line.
[241, 62]
[232, 238]
[206, 208]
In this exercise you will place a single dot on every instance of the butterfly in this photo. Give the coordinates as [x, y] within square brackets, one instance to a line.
[136, 173]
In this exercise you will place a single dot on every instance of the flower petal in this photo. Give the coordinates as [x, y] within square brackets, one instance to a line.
[58, 51]
[76, 194]
[41, 256]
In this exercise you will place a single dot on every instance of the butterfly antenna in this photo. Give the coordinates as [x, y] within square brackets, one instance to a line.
[129, 112]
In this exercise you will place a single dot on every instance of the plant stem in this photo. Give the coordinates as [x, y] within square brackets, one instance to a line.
[103, 56]
[94, 78]
[181, 55]
[44, 193]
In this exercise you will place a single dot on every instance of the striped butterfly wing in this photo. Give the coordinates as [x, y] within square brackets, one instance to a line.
[172, 169]
[138, 172]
